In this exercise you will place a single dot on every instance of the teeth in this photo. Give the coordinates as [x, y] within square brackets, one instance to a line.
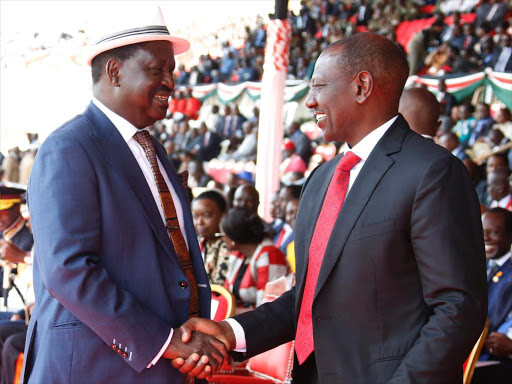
[320, 116]
[162, 98]
[489, 247]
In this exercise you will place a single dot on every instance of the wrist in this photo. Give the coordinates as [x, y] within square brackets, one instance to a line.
[229, 334]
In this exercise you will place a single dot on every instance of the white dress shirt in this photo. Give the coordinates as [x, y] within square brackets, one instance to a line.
[363, 149]
[127, 130]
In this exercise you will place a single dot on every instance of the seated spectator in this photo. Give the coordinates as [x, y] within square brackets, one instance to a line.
[451, 142]
[292, 162]
[286, 194]
[246, 151]
[497, 226]
[196, 174]
[447, 100]
[247, 198]
[498, 189]
[483, 124]
[501, 60]
[448, 30]
[208, 144]
[496, 139]
[491, 11]
[207, 210]
[253, 261]
[420, 43]
[192, 105]
[465, 124]
[177, 105]
[504, 122]
[301, 141]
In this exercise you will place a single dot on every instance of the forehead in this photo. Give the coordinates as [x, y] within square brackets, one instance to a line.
[326, 65]
[493, 219]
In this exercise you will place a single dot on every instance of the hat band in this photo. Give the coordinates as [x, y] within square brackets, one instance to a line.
[149, 30]
[8, 203]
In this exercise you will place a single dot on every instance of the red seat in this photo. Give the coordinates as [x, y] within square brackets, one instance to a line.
[223, 303]
[270, 367]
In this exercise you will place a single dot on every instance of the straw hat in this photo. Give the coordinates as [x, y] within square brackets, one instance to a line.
[134, 23]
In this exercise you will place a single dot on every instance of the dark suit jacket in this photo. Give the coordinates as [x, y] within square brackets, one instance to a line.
[208, 149]
[401, 296]
[105, 270]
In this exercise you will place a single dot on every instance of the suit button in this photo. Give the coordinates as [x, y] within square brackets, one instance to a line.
[183, 284]
[124, 354]
[113, 346]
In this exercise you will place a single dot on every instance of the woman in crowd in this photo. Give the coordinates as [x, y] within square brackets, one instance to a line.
[207, 210]
[254, 261]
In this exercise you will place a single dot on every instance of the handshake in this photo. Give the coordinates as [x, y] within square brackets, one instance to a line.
[200, 347]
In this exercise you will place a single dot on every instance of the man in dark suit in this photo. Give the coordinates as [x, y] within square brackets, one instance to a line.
[391, 284]
[208, 144]
[117, 266]
[301, 141]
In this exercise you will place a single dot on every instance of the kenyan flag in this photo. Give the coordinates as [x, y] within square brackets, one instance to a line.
[464, 85]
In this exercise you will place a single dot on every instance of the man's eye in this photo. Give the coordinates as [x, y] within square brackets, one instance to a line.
[156, 71]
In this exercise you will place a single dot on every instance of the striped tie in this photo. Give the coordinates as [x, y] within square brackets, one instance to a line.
[171, 220]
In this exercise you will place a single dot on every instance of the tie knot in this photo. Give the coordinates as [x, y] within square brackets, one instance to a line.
[143, 137]
[348, 161]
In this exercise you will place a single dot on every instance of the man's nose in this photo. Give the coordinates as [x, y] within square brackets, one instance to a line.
[310, 100]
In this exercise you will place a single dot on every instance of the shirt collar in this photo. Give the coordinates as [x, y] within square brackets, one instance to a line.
[503, 259]
[366, 145]
[125, 128]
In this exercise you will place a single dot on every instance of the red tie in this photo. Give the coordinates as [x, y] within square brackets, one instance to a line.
[334, 198]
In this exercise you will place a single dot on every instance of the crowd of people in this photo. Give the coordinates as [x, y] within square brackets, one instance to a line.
[242, 251]
[451, 44]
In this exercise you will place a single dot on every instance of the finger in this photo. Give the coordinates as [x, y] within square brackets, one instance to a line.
[190, 363]
[216, 358]
[221, 348]
[207, 373]
[200, 367]
[177, 363]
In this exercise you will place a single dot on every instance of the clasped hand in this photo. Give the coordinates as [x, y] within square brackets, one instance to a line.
[200, 347]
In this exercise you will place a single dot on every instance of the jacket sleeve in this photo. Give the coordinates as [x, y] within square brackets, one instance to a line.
[447, 239]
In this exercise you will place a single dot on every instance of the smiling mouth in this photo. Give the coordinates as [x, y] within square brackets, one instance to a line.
[162, 98]
[319, 117]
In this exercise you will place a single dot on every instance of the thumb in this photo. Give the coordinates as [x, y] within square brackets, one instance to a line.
[186, 331]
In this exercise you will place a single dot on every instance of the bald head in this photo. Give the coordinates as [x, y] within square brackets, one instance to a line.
[378, 55]
[420, 109]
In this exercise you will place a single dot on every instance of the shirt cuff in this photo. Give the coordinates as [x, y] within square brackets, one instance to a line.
[241, 344]
[157, 357]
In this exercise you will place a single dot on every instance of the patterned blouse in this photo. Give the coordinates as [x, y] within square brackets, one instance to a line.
[247, 276]
[216, 257]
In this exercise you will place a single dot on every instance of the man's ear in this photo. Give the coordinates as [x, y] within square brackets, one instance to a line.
[364, 83]
[112, 70]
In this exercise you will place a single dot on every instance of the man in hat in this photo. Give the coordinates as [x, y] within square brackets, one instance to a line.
[16, 239]
[13, 227]
[117, 267]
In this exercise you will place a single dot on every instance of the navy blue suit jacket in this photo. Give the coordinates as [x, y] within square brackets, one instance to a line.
[500, 295]
[105, 270]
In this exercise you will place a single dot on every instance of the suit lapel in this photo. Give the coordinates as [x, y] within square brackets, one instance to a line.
[119, 156]
[374, 168]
